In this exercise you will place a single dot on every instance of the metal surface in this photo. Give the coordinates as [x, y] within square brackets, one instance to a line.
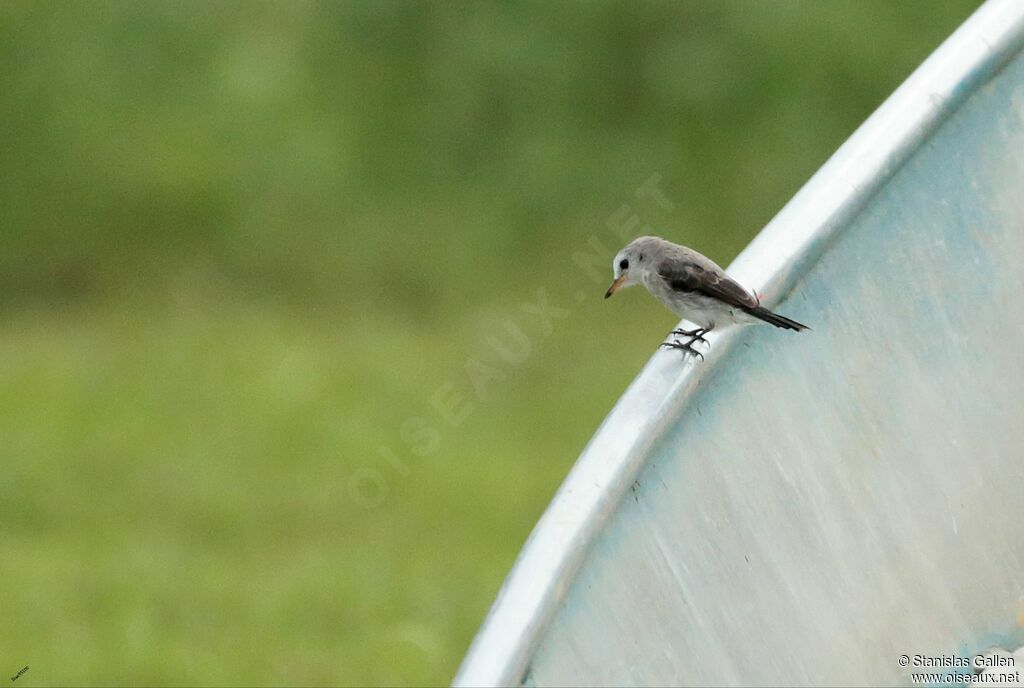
[803, 509]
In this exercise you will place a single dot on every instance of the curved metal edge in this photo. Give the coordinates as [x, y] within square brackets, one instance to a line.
[772, 263]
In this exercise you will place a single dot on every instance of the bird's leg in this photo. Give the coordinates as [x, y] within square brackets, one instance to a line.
[696, 335]
[686, 348]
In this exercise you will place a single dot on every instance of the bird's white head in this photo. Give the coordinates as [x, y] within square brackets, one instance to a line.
[632, 263]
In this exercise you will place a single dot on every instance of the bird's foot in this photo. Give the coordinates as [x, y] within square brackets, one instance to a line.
[696, 335]
[686, 348]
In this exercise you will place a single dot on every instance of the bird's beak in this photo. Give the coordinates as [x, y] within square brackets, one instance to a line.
[615, 286]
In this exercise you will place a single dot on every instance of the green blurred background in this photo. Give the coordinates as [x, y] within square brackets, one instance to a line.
[253, 255]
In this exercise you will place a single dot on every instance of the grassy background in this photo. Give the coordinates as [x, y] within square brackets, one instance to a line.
[250, 252]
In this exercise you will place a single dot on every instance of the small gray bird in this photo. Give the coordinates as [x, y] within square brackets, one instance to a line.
[692, 286]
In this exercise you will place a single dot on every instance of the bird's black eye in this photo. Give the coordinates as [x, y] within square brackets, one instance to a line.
[623, 264]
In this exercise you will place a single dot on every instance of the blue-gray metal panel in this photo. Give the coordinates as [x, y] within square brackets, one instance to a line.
[805, 508]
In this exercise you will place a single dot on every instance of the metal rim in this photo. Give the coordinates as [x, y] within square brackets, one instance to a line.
[772, 263]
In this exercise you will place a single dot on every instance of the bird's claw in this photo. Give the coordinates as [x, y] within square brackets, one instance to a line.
[694, 335]
[686, 348]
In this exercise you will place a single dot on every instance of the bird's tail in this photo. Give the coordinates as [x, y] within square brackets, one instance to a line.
[762, 313]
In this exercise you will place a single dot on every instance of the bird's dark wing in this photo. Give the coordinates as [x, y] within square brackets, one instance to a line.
[688, 276]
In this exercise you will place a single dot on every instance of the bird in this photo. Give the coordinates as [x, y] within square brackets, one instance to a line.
[693, 287]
